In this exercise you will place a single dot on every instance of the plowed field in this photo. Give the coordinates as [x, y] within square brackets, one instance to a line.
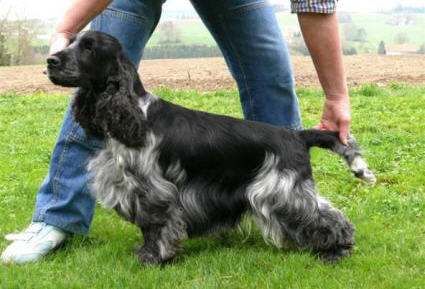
[207, 74]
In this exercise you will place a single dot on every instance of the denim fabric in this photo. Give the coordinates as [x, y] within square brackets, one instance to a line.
[249, 36]
[250, 39]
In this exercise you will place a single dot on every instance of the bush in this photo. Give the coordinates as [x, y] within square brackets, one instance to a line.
[381, 48]
[422, 49]
[349, 50]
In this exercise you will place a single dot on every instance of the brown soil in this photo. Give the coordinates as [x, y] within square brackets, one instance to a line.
[207, 74]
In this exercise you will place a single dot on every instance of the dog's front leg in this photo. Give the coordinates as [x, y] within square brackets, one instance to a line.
[162, 242]
[148, 253]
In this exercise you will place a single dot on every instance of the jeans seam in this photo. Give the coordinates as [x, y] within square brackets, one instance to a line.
[124, 15]
[238, 58]
[248, 7]
[55, 179]
[59, 169]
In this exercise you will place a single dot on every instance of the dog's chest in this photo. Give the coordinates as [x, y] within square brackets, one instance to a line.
[120, 176]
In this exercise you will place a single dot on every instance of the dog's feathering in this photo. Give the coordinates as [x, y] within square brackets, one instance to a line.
[177, 173]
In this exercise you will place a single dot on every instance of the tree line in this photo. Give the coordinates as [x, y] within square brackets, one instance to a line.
[17, 39]
[20, 42]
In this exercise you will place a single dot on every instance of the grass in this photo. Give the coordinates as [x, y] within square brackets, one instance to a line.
[390, 217]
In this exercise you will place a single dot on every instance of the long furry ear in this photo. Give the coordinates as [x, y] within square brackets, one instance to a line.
[117, 109]
[127, 77]
[84, 110]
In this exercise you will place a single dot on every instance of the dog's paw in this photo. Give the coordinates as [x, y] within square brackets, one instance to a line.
[335, 254]
[147, 257]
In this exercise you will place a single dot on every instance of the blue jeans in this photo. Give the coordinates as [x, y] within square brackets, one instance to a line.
[249, 37]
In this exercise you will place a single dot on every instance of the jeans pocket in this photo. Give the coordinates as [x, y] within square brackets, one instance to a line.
[124, 15]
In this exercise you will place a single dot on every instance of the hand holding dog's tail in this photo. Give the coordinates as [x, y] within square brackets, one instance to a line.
[351, 152]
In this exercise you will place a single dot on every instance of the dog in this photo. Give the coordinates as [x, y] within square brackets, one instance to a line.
[178, 173]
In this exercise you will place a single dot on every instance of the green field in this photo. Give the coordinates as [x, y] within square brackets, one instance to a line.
[194, 32]
[390, 217]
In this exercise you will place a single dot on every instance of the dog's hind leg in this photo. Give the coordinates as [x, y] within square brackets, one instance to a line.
[313, 223]
[288, 207]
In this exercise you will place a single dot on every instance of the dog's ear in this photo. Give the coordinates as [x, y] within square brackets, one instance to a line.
[84, 110]
[125, 74]
[121, 118]
[114, 74]
[117, 108]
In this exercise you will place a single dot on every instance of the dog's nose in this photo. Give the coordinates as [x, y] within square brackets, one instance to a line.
[53, 60]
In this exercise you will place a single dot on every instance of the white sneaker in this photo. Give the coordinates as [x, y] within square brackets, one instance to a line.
[32, 244]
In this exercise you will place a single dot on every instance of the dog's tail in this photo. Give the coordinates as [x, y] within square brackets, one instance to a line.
[351, 153]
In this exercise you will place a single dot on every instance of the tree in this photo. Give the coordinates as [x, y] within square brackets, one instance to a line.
[23, 49]
[354, 33]
[4, 55]
[169, 33]
[401, 38]
[344, 17]
[16, 39]
[381, 48]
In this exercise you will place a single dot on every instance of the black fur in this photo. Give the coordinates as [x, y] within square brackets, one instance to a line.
[177, 172]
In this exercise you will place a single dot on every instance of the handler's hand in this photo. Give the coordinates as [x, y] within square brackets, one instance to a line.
[336, 116]
[58, 42]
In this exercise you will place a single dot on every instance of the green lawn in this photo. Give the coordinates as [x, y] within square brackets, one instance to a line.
[390, 217]
[194, 32]
[377, 29]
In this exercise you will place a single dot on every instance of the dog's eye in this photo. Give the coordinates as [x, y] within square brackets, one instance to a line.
[88, 45]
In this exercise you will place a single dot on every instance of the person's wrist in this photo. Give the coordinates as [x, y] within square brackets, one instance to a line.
[61, 35]
[59, 40]
[337, 96]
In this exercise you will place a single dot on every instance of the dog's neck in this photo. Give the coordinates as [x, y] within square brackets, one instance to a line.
[138, 87]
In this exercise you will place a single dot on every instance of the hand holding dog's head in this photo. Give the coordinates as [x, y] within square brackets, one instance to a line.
[91, 60]
[110, 86]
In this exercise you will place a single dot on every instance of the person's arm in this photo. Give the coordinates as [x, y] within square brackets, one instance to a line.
[319, 26]
[76, 17]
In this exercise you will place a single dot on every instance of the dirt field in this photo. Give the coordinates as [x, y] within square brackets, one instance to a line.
[207, 74]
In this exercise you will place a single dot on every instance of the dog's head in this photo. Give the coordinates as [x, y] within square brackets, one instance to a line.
[109, 84]
[91, 60]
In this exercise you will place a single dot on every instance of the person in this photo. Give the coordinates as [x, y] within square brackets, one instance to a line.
[253, 47]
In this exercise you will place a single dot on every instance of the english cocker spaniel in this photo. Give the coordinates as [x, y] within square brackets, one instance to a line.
[176, 172]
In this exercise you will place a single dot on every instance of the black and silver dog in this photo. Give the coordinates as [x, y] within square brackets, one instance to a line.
[176, 172]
